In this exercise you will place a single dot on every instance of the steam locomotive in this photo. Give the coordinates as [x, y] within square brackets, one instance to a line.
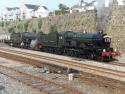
[94, 46]
[22, 39]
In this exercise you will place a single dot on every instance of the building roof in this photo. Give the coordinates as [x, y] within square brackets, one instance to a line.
[30, 6]
[90, 4]
[34, 7]
[45, 7]
[10, 9]
[76, 6]
[85, 4]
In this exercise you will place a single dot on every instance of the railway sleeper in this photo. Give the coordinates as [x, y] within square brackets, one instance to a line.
[57, 92]
[44, 86]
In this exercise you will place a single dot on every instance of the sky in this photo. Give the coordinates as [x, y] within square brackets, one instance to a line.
[51, 4]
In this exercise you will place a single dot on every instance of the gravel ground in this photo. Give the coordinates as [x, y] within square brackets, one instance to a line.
[121, 59]
[85, 86]
[10, 86]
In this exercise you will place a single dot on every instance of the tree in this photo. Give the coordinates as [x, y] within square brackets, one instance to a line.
[53, 28]
[63, 8]
[58, 12]
[51, 14]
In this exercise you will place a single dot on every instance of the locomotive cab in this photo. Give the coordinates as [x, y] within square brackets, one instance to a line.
[107, 40]
[108, 51]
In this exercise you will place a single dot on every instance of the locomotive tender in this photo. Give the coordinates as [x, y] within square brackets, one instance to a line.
[22, 39]
[91, 46]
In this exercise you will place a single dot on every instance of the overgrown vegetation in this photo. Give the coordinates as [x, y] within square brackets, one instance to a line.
[20, 27]
[26, 25]
[53, 28]
[63, 9]
[2, 24]
[39, 24]
[34, 30]
[11, 30]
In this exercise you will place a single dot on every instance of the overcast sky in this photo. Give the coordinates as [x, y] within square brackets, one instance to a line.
[51, 4]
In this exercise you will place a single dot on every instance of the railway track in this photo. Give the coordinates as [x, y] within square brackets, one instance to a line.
[39, 56]
[117, 64]
[101, 71]
[38, 84]
[77, 59]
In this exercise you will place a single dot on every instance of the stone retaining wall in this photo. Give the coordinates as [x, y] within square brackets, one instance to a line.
[76, 22]
[116, 27]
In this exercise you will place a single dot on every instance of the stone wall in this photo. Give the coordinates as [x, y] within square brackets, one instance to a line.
[116, 27]
[76, 22]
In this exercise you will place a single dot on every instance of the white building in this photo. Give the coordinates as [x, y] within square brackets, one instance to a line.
[29, 11]
[10, 14]
[42, 11]
[83, 7]
[109, 2]
[26, 11]
[121, 2]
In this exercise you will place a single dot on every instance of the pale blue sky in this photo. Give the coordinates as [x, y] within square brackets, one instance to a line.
[51, 4]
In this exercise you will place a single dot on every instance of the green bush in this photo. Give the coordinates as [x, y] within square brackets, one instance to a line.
[2, 24]
[53, 28]
[39, 23]
[26, 24]
[11, 30]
